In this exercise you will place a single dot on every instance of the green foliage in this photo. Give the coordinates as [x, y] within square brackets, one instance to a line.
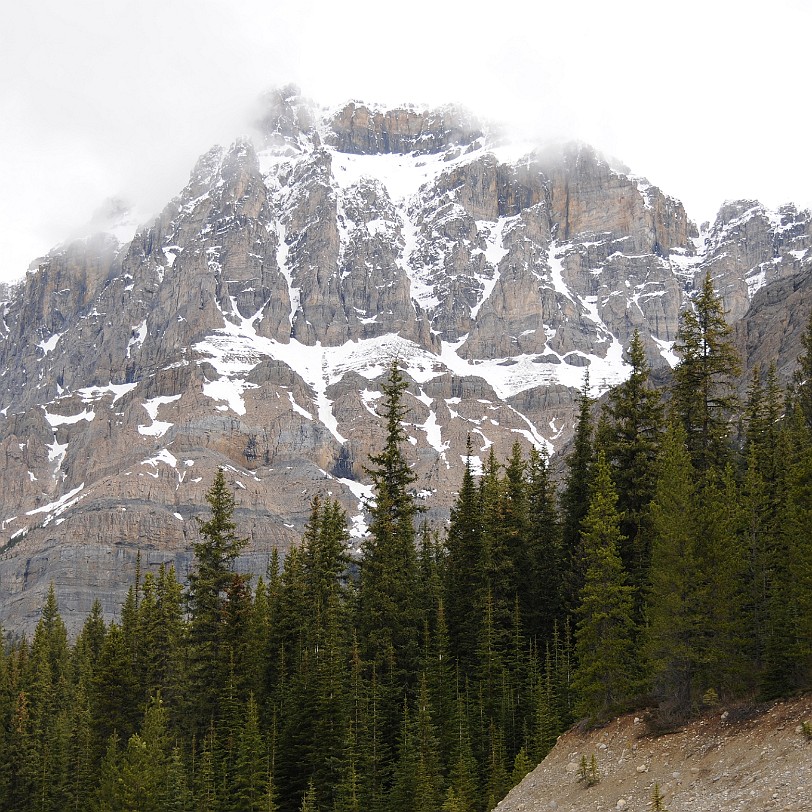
[704, 397]
[657, 802]
[388, 617]
[676, 592]
[213, 589]
[803, 377]
[588, 771]
[522, 765]
[603, 678]
[464, 581]
[629, 434]
[575, 503]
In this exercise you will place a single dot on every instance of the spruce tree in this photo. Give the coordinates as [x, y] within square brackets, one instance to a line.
[704, 396]
[108, 789]
[145, 762]
[209, 584]
[603, 678]
[575, 503]
[803, 376]
[429, 768]
[388, 618]
[115, 693]
[514, 522]
[463, 792]
[464, 575]
[541, 606]
[630, 436]
[676, 591]
[788, 629]
[546, 721]
[722, 562]
[248, 792]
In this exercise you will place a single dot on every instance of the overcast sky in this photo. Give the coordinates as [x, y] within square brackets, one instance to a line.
[710, 100]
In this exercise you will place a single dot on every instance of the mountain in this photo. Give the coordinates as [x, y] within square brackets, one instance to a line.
[250, 325]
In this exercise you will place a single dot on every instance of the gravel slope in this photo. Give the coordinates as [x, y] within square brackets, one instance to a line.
[744, 758]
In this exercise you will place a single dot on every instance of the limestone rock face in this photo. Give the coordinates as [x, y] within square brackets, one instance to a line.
[772, 245]
[360, 130]
[251, 324]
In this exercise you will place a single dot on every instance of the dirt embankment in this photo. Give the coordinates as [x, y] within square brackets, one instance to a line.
[751, 759]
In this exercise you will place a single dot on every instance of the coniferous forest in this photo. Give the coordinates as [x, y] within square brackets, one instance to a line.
[672, 570]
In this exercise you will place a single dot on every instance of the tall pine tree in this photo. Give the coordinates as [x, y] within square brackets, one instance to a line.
[388, 617]
[604, 676]
[704, 380]
[209, 586]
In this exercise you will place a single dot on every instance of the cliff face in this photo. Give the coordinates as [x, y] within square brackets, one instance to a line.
[251, 324]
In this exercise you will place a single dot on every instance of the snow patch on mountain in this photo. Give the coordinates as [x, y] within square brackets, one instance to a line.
[49, 345]
[667, 351]
[57, 508]
[55, 420]
[158, 427]
[139, 333]
[91, 394]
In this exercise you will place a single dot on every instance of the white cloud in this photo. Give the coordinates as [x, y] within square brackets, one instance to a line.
[100, 98]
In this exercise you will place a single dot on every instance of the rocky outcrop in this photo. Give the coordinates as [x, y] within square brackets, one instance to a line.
[589, 197]
[360, 130]
[771, 245]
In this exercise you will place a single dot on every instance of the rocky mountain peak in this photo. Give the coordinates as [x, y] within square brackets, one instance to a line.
[361, 130]
[249, 327]
[287, 116]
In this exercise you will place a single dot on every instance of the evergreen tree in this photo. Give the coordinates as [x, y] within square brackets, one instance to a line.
[179, 795]
[722, 563]
[161, 628]
[541, 604]
[575, 503]
[209, 586]
[603, 678]
[314, 695]
[79, 765]
[6, 706]
[463, 791]
[803, 376]
[108, 791]
[248, 792]
[522, 765]
[388, 618]
[91, 638]
[788, 629]
[441, 676]
[25, 765]
[504, 542]
[144, 766]
[205, 775]
[547, 724]
[704, 395]
[115, 693]
[47, 684]
[514, 521]
[309, 799]
[497, 778]
[676, 593]
[428, 775]
[630, 436]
